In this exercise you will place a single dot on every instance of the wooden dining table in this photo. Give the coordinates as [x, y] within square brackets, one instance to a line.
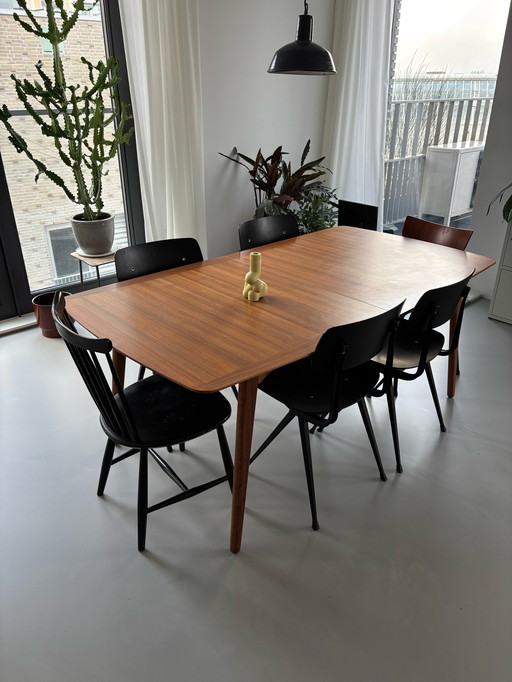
[193, 326]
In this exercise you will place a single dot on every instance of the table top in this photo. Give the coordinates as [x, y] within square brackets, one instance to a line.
[193, 325]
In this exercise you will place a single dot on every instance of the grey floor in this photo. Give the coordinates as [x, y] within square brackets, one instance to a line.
[408, 580]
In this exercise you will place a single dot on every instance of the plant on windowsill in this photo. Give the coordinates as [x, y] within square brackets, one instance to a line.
[79, 119]
[278, 190]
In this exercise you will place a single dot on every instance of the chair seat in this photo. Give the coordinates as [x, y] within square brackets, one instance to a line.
[408, 350]
[166, 413]
[300, 388]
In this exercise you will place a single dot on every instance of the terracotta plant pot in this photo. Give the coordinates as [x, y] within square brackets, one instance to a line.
[42, 305]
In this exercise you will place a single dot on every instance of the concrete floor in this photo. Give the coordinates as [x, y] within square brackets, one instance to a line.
[408, 580]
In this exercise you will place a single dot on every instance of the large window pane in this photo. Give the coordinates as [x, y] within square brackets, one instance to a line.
[42, 210]
[441, 101]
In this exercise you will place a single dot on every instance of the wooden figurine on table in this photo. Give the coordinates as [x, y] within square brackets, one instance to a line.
[254, 287]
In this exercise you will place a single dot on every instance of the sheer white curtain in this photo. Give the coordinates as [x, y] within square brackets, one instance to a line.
[162, 51]
[357, 101]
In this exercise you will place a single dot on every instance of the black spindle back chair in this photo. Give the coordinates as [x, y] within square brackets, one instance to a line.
[149, 414]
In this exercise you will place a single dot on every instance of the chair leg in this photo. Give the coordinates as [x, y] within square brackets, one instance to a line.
[371, 437]
[317, 428]
[142, 371]
[284, 422]
[226, 455]
[308, 466]
[433, 390]
[105, 466]
[142, 500]
[235, 391]
[182, 447]
[390, 397]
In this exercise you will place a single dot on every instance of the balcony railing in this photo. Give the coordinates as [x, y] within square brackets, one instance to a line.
[413, 126]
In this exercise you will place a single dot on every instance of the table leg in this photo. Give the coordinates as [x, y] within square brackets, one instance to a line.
[453, 358]
[247, 391]
[119, 361]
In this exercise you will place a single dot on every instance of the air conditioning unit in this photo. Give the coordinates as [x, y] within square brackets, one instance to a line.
[449, 179]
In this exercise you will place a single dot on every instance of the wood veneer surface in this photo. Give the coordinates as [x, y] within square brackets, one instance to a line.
[193, 325]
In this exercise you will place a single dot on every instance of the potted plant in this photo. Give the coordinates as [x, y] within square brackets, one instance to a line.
[79, 119]
[279, 190]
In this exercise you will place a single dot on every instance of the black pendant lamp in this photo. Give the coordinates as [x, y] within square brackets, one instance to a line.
[303, 57]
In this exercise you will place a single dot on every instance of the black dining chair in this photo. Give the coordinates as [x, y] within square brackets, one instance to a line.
[357, 215]
[164, 254]
[267, 230]
[143, 417]
[417, 343]
[426, 231]
[337, 375]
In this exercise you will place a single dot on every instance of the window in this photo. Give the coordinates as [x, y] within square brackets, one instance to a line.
[40, 204]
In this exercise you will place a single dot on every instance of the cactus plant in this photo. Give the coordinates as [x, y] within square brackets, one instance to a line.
[75, 117]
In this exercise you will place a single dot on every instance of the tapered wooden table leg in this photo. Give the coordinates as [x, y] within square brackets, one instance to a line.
[244, 426]
[119, 361]
[453, 358]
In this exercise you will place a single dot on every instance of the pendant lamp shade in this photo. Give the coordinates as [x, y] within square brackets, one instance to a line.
[303, 57]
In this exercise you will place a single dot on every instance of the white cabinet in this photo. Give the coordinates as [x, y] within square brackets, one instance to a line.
[501, 302]
[449, 179]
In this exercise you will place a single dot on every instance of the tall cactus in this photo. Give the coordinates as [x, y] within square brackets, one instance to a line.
[75, 117]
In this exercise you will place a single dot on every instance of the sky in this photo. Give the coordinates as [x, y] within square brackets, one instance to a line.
[459, 36]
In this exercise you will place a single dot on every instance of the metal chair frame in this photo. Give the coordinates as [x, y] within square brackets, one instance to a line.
[337, 375]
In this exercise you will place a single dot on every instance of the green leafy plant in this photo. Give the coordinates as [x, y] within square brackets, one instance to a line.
[278, 189]
[77, 118]
[317, 211]
[507, 207]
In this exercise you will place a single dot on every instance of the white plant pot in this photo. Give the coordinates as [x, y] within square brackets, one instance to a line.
[94, 237]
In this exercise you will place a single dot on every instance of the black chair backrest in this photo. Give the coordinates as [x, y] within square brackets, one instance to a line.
[86, 352]
[357, 215]
[354, 344]
[165, 254]
[437, 306]
[266, 230]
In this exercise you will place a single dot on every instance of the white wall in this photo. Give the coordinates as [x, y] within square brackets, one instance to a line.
[246, 107]
[495, 173]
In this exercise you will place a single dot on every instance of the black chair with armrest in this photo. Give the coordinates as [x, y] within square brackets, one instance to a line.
[417, 343]
[147, 415]
[267, 230]
[337, 375]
